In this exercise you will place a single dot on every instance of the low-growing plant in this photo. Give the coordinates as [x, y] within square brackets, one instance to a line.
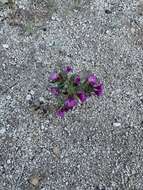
[29, 27]
[46, 8]
[11, 3]
[76, 4]
[70, 88]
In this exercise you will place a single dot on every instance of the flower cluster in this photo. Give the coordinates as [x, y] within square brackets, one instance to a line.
[70, 88]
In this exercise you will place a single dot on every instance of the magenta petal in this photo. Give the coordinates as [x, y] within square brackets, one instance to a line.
[82, 96]
[60, 113]
[71, 102]
[55, 91]
[54, 76]
[99, 89]
[92, 79]
[68, 69]
[65, 109]
[77, 80]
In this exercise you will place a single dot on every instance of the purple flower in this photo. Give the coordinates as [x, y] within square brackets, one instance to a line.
[55, 91]
[54, 76]
[71, 102]
[99, 89]
[68, 69]
[91, 79]
[60, 113]
[82, 96]
[77, 80]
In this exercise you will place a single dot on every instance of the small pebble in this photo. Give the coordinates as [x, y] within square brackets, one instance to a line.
[2, 131]
[32, 92]
[4, 65]
[42, 127]
[28, 97]
[56, 150]
[6, 46]
[108, 32]
[67, 183]
[133, 30]
[116, 124]
[34, 180]
[44, 29]
[53, 18]
[97, 188]
[8, 97]
[42, 100]
[92, 8]
[107, 11]
[8, 161]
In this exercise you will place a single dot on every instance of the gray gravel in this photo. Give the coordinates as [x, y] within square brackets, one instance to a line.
[97, 146]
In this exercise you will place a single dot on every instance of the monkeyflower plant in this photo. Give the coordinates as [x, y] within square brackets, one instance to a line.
[71, 88]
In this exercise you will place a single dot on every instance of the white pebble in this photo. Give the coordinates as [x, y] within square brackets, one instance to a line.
[42, 127]
[4, 65]
[6, 46]
[42, 99]
[10, 176]
[133, 30]
[8, 97]
[91, 7]
[108, 32]
[32, 92]
[67, 183]
[8, 161]
[28, 97]
[116, 124]
[2, 131]
[53, 18]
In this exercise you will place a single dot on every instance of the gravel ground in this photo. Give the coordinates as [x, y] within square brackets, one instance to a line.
[97, 146]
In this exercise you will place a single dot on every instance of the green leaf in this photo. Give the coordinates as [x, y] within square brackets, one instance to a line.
[86, 87]
[29, 27]
[60, 102]
[72, 77]
[61, 85]
[63, 75]
[71, 89]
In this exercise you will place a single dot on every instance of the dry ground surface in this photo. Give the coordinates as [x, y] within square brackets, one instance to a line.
[97, 146]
